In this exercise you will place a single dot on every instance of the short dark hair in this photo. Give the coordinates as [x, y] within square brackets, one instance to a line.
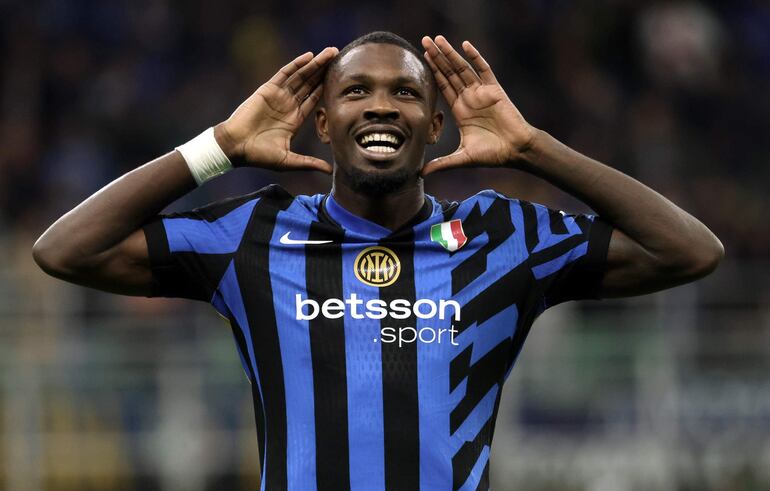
[386, 37]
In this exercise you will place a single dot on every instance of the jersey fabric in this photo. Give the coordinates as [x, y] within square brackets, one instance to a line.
[376, 357]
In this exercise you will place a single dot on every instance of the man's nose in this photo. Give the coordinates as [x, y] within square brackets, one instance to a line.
[381, 107]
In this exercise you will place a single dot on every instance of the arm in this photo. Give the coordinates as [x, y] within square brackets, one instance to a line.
[100, 243]
[655, 244]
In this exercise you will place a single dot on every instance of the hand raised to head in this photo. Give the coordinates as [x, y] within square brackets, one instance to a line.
[493, 132]
[260, 130]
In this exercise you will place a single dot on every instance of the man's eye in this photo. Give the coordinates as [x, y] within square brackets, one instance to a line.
[355, 90]
[406, 91]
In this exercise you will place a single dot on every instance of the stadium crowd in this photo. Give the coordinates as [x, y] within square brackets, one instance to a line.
[672, 93]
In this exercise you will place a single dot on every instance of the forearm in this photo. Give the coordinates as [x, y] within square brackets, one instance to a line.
[663, 229]
[114, 212]
[101, 244]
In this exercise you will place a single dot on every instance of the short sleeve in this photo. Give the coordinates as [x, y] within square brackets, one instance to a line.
[568, 254]
[190, 251]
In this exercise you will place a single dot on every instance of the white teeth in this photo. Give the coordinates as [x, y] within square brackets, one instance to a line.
[381, 149]
[379, 137]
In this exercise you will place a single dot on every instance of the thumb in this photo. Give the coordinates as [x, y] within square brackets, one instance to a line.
[457, 159]
[295, 161]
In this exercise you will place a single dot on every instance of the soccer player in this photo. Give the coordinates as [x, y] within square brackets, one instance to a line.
[376, 323]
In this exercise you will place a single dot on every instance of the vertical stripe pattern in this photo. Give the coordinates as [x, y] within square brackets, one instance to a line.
[399, 380]
[287, 274]
[364, 377]
[323, 274]
[253, 272]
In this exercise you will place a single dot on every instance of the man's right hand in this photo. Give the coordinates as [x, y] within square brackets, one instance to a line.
[101, 243]
[259, 132]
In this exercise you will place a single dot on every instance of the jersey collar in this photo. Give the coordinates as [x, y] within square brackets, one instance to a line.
[349, 221]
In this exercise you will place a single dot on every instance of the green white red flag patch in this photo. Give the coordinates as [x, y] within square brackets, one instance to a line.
[449, 234]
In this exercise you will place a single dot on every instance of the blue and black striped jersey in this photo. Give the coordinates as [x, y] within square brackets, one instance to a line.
[376, 357]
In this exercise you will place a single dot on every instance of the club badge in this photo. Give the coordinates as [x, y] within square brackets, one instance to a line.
[377, 266]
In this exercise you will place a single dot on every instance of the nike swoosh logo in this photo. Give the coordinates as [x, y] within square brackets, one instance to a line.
[286, 240]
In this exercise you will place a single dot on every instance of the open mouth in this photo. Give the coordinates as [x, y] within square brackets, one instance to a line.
[380, 144]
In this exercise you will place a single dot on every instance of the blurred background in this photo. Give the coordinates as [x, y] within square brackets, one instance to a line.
[669, 391]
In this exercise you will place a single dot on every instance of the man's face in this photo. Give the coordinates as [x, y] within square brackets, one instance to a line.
[378, 115]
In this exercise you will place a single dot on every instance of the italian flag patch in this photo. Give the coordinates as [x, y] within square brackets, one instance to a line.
[449, 234]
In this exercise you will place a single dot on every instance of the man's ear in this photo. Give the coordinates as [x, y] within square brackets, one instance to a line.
[320, 125]
[436, 125]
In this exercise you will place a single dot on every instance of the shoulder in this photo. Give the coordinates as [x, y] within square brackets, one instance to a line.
[276, 194]
[496, 209]
[273, 200]
[488, 196]
[270, 196]
[521, 206]
[483, 199]
[487, 211]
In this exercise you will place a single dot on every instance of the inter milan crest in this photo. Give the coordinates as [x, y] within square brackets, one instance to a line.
[449, 234]
[377, 266]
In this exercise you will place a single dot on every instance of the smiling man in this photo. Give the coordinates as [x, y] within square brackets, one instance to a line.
[378, 113]
[377, 324]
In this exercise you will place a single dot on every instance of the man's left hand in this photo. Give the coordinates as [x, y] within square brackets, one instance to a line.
[493, 132]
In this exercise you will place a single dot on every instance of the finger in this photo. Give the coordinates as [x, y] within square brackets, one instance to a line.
[444, 66]
[457, 159]
[479, 64]
[442, 83]
[310, 102]
[295, 161]
[462, 67]
[287, 70]
[309, 86]
[308, 76]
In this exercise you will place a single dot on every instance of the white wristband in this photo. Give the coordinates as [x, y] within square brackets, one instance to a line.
[205, 157]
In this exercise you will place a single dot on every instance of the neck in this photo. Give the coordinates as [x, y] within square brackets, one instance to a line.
[391, 210]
